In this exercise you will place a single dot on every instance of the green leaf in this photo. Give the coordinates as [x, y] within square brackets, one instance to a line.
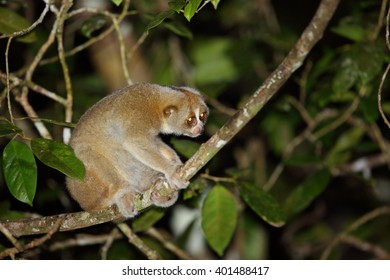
[93, 24]
[147, 219]
[185, 147]
[219, 218]
[158, 19]
[215, 3]
[177, 5]
[11, 22]
[58, 156]
[117, 2]
[7, 129]
[191, 8]
[179, 29]
[20, 171]
[350, 30]
[264, 205]
[306, 192]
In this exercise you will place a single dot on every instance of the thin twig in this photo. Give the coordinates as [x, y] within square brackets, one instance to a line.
[168, 244]
[359, 222]
[136, 241]
[93, 40]
[31, 27]
[7, 79]
[376, 250]
[122, 50]
[384, 74]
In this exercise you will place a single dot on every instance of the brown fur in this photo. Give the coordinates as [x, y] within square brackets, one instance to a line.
[117, 139]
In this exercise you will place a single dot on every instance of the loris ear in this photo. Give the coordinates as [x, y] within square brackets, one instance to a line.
[169, 110]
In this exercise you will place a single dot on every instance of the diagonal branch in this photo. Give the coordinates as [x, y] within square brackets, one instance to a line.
[311, 35]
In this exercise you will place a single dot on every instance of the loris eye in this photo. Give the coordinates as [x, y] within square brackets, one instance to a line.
[203, 117]
[191, 121]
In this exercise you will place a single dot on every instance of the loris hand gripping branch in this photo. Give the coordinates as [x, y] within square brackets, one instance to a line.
[118, 141]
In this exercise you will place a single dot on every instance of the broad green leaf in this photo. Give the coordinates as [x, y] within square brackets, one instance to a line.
[93, 24]
[219, 218]
[20, 171]
[58, 156]
[147, 219]
[177, 5]
[185, 147]
[306, 192]
[215, 3]
[117, 2]
[191, 8]
[158, 19]
[7, 129]
[264, 205]
[11, 22]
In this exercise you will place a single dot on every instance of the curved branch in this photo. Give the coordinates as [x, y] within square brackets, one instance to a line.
[312, 34]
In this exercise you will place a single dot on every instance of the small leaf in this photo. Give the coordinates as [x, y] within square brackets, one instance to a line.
[58, 156]
[215, 3]
[306, 192]
[93, 24]
[264, 205]
[117, 2]
[158, 19]
[147, 219]
[7, 129]
[185, 147]
[191, 8]
[177, 5]
[219, 218]
[351, 30]
[11, 22]
[20, 171]
[179, 29]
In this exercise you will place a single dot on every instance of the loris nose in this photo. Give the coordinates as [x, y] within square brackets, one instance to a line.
[197, 130]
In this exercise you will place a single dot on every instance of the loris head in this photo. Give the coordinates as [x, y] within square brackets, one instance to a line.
[186, 113]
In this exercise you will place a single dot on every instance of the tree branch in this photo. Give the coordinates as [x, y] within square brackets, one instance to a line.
[311, 35]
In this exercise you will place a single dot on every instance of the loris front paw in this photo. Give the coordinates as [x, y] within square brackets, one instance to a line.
[163, 195]
[177, 183]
